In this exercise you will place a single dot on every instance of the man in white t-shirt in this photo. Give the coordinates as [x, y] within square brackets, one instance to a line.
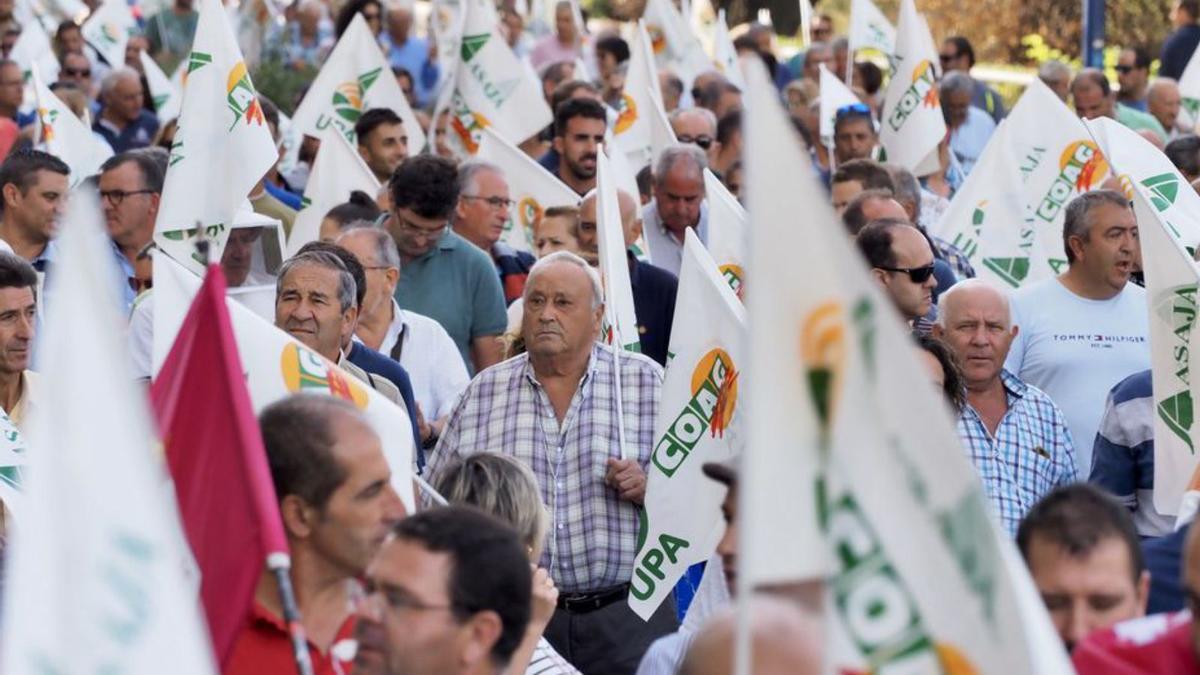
[1087, 329]
[418, 342]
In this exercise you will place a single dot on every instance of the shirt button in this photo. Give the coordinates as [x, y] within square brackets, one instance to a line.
[559, 484]
[561, 526]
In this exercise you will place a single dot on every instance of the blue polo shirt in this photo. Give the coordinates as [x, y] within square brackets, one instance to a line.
[137, 134]
[456, 285]
[653, 305]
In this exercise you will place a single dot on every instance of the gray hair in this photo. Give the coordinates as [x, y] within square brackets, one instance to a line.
[1078, 221]
[967, 285]
[468, 174]
[1159, 84]
[114, 77]
[956, 82]
[385, 246]
[709, 117]
[568, 258]
[680, 152]
[347, 289]
[906, 189]
[1054, 70]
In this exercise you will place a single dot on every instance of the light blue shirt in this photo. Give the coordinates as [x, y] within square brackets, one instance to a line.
[413, 56]
[969, 139]
[665, 250]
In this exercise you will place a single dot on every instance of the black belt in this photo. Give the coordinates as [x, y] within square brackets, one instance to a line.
[582, 603]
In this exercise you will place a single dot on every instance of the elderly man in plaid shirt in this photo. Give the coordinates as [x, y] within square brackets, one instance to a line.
[1016, 435]
[555, 408]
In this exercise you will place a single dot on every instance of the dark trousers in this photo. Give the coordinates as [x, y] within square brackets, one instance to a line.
[610, 640]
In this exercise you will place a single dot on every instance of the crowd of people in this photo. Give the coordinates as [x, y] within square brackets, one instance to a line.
[494, 350]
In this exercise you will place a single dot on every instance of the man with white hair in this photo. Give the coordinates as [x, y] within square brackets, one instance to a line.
[970, 127]
[124, 121]
[1164, 101]
[1056, 75]
[698, 127]
[484, 208]
[1017, 436]
[554, 409]
[678, 204]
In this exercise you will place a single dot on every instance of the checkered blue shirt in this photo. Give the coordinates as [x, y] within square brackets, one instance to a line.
[593, 533]
[1030, 455]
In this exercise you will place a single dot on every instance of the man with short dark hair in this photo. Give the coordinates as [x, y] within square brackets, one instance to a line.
[18, 329]
[1133, 75]
[855, 176]
[854, 133]
[1184, 153]
[335, 496]
[672, 90]
[483, 209]
[554, 75]
[130, 188]
[33, 185]
[382, 141]
[579, 125]
[1087, 329]
[1084, 557]
[445, 277]
[1094, 98]
[958, 54]
[729, 144]
[901, 262]
[1177, 49]
[448, 594]
[679, 203]
[12, 92]
[123, 120]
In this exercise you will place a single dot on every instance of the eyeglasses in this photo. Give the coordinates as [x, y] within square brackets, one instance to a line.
[1124, 70]
[946, 58]
[853, 109]
[705, 142]
[115, 197]
[918, 275]
[419, 232]
[77, 72]
[494, 202]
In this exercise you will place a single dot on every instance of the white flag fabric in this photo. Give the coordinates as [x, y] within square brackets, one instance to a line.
[99, 551]
[532, 188]
[355, 78]
[633, 132]
[165, 93]
[66, 136]
[1189, 91]
[835, 95]
[33, 47]
[337, 171]
[724, 54]
[277, 365]
[222, 147]
[1172, 280]
[698, 422]
[870, 29]
[14, 458]
[912, 113]
[728, 238]
[674, 44]
[620, 321]
[923, 579]
[108, 29]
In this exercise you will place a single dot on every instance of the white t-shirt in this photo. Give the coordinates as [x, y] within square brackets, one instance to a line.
[431, 358]
[1076, 350]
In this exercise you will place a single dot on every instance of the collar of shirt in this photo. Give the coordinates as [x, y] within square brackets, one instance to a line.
[262, 619]
[1013, 384]
[701, 225]
[634, 268]
[46, 257]
[590, 370]
[447, 242]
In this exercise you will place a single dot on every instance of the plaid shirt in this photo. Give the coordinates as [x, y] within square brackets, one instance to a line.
[593, 533]
[1030, 455]
[953, 255]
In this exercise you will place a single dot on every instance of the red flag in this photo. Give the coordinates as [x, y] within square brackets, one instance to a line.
[216, 457]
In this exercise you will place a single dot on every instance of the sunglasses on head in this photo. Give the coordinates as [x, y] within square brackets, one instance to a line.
[853, 109]
[918, 275]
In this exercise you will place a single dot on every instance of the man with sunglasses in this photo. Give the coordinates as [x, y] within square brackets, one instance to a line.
[77, 70]
[483, 209]
[901, 262]
[697, 126]
[1133, 74]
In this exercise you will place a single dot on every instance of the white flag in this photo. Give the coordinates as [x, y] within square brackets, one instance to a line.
[1189, 92]
[620, 321]
[698, 422]
[835, 95]
[337, 171]
[66, 136]
[14, 459]
[99, 552]
[724, 54]
[1172, 280]
[923, 579]
[277, 365]
[222, 147]
[165, 93]
[633, 132]
[355, 78]
[912, 113]
[674, 44]
[532, 188]
[728, 239]
[108, 29]
[870, 29]
[33, 47]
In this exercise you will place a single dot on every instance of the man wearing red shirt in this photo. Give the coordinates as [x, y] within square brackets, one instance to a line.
[337, 503]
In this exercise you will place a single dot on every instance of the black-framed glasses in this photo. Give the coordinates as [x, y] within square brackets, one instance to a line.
[705, 142]
[854, 109]
[494, 202]
[115, 197]
[918, 275]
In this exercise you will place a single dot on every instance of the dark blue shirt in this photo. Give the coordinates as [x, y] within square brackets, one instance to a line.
[653, 305]
[550, 161]
[1164, 560]
[379, 364]
[137, 134]
[1177, 51]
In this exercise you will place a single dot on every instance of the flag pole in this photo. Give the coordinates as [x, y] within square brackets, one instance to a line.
[280, 565]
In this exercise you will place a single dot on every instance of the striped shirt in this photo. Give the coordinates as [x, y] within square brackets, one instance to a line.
[547, 661]
[1030, 455]
[593, 533]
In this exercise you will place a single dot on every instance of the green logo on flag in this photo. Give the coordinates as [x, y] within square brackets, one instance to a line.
[160, 101]
[471, 44]
[1177, 413]
[1163, 190]
[197, 60]
[12, 476]
[1011, 271]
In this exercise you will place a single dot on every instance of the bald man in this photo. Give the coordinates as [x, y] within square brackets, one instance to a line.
[784, 640]
[653, 287]
[1163, 101]
[1016, 435]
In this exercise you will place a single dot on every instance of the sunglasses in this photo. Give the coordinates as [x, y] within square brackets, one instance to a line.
[853, 109]
[705, 142]
[946, 58]
[73, 72]
[918, 275]
[1124, 70]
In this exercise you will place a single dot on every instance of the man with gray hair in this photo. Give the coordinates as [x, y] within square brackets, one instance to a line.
[924, 208]
[483, 212]
[130, 187]
[1056, 75]
[970, 127]
[554, 409]
[1164, 101]
[123, 120]
[677, 205]
[417, 342]
[698, 127]
[1087, 329]
[1016, 435]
